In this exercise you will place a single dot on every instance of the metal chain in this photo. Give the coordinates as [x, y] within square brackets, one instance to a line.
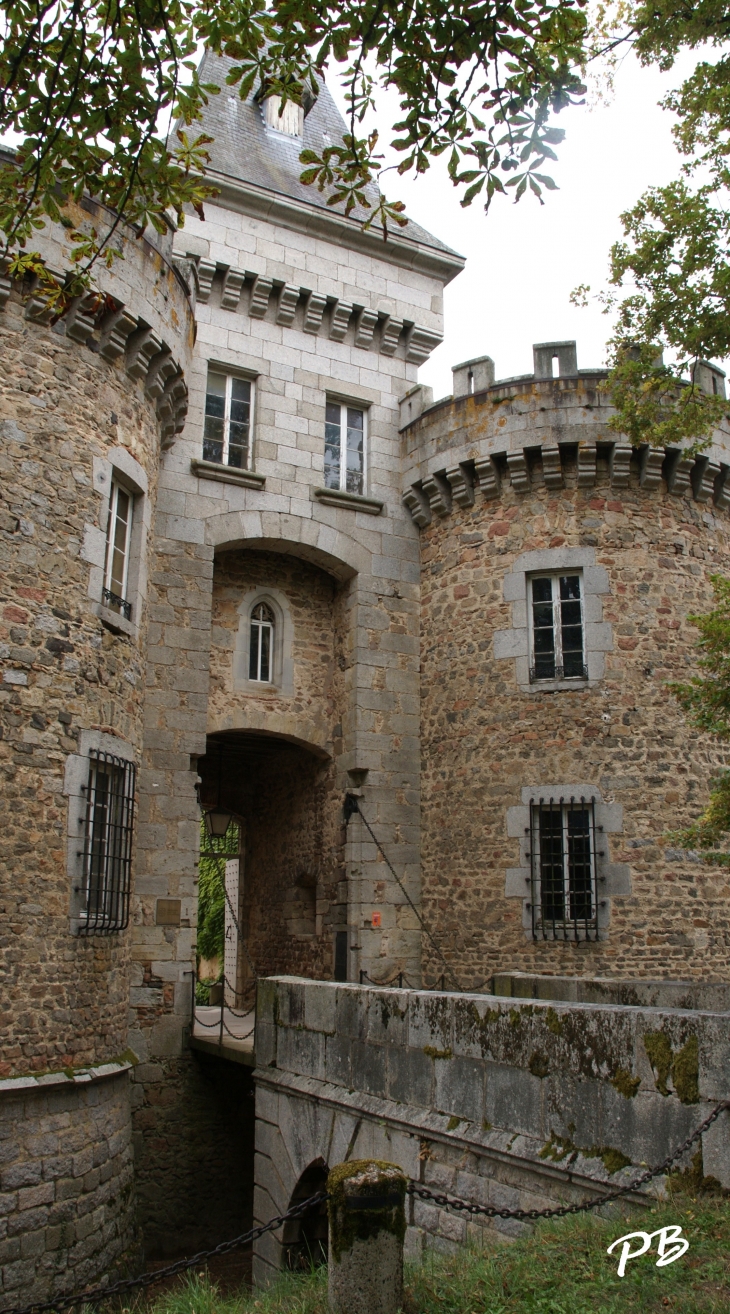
[413, 1188]
[356, 808]
[449, 1202]
[179, 1266]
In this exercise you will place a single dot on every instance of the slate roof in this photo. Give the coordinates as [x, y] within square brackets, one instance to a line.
[245, 149]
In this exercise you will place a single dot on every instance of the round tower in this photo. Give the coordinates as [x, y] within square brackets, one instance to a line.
[559, 568]
[87, 404]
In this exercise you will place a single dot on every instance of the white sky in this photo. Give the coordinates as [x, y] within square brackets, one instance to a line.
[524, 260]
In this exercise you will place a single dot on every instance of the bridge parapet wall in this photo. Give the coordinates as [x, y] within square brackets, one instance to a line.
[517, 1104]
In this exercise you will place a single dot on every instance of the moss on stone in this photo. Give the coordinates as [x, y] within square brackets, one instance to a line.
[659, 1052]
[431, 1052]
[453, 1123]
[559, 1147]
[486, 1124]
[683, 1067]
[350, 1225]
[613, 1160]
[625, 1084]
[553, 1022]
[538, 1064]
[686, 1071]
[693, 1182]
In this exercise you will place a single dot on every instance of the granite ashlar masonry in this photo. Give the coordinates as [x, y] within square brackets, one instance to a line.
[514, 1103]
[66, 1176]
[273, 272]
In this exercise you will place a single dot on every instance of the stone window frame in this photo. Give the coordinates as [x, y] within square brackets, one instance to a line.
[75, 782]
[514, 643]
[283, 646]
[355, 403]
[232, 371]
[119, 466]
[613, 879]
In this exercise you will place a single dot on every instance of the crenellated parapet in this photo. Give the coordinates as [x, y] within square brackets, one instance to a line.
[140, 317]
[540, 430]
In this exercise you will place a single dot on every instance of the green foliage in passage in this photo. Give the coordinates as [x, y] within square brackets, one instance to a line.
[91, 86]
[562, 1268]
[673, 263]
[706, 699]
[211, 891]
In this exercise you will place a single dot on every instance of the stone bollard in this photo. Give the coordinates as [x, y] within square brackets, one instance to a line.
[367, 1224]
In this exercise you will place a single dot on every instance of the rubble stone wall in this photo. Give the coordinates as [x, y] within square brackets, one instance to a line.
[513, 1103]
[66, 415]
[647, 544]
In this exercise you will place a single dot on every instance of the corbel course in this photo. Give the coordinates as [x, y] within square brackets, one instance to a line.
[389, 336]
[462, 487]
[340, 320]
[260, 293]
[288, 300]
[232, 284]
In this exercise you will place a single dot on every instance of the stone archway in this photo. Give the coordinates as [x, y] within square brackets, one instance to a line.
[305, 1239]
[284, 794]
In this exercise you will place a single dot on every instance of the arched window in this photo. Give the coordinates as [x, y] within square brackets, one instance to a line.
[261, 648]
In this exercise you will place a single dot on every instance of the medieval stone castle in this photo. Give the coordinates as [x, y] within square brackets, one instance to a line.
[249, 565]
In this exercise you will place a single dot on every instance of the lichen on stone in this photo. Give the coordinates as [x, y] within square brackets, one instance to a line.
[363, 1177]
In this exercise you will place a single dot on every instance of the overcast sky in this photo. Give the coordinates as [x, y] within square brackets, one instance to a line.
[523, 260]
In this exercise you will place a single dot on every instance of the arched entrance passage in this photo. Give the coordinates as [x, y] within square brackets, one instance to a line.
[304, 1239]
[283, 793]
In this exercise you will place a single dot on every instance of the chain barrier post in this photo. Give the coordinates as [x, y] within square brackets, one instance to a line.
[367, 1226]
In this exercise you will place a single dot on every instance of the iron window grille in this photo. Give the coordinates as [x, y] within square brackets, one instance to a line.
[261, 649]
[118, 539]
[557, 628]
[344, 448]
[227, 430]
[107, 854]
[563, 851]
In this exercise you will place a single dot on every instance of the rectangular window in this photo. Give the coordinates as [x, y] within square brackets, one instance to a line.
[118, 538]
[107, 855]
[344, 448]
[227, 433]
[556, 624]
[563, 854]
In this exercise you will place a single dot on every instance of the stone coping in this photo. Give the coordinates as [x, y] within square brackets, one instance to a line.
[52, 1080]
[626, 992]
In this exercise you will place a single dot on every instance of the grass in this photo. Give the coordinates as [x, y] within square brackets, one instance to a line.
[562, 1268]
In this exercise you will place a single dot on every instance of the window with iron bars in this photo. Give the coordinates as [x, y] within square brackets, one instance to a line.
[556, 624]
[563, 863]
[107, 853]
